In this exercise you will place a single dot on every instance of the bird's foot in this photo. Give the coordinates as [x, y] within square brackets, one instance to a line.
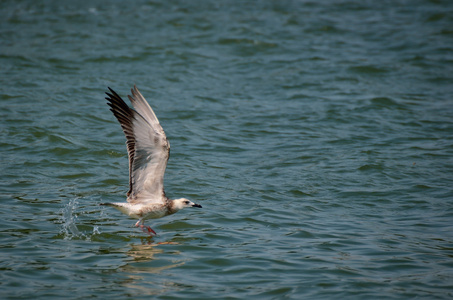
[144, 228]
[147, 229]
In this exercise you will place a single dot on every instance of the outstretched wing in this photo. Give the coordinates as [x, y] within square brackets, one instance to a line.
[147, 147]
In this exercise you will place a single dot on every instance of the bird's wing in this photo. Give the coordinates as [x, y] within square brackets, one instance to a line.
[147, 146]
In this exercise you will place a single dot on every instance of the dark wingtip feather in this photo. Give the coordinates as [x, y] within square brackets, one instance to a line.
[124, 114]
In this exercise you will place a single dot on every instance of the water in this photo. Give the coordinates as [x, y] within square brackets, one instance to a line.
[317, 135]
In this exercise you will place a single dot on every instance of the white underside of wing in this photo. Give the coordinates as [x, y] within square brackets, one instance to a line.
[151, 154]
[147, 146]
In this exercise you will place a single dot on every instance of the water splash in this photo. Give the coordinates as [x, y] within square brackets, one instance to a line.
[69, 219]
[96, 230]
[72, 226]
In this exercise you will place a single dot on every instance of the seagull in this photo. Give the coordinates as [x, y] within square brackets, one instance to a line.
[148, 150]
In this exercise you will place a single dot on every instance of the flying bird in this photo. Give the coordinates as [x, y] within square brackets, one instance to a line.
[148, 150]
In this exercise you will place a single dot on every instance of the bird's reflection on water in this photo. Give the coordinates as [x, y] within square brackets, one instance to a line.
[143, 259]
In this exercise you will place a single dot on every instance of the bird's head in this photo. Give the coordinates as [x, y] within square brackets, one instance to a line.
[181, 203]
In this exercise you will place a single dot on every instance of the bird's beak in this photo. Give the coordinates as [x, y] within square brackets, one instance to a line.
[197, 205]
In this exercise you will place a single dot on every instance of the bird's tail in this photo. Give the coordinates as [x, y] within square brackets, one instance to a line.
[123, 207]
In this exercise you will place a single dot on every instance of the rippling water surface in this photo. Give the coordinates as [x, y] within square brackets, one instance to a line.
[317, 135]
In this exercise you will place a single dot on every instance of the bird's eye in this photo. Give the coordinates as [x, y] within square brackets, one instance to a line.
[186, 202]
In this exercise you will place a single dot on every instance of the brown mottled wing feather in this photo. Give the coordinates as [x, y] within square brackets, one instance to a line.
[147, 147]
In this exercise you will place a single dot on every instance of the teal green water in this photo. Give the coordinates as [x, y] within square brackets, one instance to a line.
[317, 135]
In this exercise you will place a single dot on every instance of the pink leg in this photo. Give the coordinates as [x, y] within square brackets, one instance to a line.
[145, 229]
